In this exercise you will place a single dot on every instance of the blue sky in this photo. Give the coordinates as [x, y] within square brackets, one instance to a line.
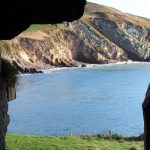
[137, 7]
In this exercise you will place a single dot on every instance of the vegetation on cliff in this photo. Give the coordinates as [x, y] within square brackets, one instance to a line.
[37, 27]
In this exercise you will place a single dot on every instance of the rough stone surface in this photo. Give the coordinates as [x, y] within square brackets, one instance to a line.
[146, 113]
[6, 94]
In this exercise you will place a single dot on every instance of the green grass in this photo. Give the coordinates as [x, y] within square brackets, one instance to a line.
[37, 27]
[6, 47]
[28, 142]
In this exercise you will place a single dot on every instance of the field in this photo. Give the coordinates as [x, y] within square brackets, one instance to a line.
[87, 142]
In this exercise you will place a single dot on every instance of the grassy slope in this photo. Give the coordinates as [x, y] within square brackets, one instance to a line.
[37, 27]
[28, 142]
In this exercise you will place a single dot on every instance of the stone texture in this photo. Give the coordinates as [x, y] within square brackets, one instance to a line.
[6, 93]
[146, 113]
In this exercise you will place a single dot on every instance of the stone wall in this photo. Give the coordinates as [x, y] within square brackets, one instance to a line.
[6, 93]
[146, 113]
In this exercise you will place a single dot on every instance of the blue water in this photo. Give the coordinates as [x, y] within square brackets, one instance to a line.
[81, 101]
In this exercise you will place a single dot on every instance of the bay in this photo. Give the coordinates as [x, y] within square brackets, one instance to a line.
[88, 100]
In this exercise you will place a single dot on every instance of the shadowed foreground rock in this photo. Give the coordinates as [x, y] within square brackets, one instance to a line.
[6, 93]
[17, 15]
[146, 113]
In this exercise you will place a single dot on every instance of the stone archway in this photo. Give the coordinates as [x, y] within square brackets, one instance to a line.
[27, 12]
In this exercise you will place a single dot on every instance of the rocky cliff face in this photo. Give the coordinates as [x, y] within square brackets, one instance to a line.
[102, 35]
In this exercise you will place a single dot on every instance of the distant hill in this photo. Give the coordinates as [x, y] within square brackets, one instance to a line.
[102, 35]
[92, 7]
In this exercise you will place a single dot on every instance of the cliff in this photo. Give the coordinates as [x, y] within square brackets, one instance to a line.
[102, 35]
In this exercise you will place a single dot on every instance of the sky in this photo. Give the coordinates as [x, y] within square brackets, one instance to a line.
[136, 7]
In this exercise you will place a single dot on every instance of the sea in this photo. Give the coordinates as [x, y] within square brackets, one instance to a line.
[91, 100]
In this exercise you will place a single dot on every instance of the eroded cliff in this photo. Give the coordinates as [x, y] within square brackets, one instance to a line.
[102, 35]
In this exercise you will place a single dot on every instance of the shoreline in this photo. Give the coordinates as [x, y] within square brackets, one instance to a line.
[85, 65]
[92, 66]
